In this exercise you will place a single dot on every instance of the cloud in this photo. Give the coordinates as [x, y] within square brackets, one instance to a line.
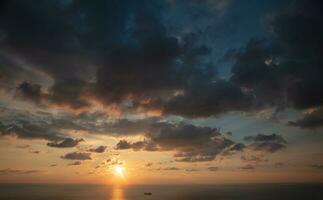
[17, 172]
[99, 149]
[28, 130]
[279, 164]
[171, 169]
[237, 147]
[23, 146]
[309, 121]
[192, 143]
[233, 149]
[317, 166]
[66, 143]
[53, 127]
[284, 69]
[64, 93]
[123, 144]
[114, 161]
[148, 164]
[136, 146]
[69, 92]
[77, 156]
[137, 54]
[247, 167]
[75, 163]
[266, 138]
[269, 147]
[209, 99]
[253, 158]
[229, 133]
[212, 169]
[30, 92]
[192, 170]
[265, 143]
[140, 53]
[131, 127]
[88, 49]
[189, 142]
[35, 152]
[45, 125]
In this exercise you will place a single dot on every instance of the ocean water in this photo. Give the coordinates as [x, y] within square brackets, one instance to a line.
[162, 192]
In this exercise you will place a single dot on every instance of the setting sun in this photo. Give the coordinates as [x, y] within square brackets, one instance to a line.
[119, 171]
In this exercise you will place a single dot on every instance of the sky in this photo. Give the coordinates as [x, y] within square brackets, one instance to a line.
[161, 92]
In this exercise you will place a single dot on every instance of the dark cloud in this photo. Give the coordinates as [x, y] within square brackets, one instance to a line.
[43, 125]
[130, 127]
[269, 147]
[151, 61]
[136, 146]
[99, 149]
[69, 92]
[30, 92]
[266, 138]
[233, 149]
[77, 156]
[123, 144]
[138, 60]
[209, 100]
[237, 147]
[310, 120]
[28, 130]
[192, 143]
[284, 70]
[251, 71]
[66, 143]
[65, 93]
[123, 54]
[266, 143]
[45, 35]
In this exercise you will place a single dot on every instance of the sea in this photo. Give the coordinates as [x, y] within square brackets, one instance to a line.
[161, 192]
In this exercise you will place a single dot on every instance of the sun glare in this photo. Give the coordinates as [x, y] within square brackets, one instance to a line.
[119, 171]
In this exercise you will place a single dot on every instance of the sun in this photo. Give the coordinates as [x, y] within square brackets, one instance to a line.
[119, 171]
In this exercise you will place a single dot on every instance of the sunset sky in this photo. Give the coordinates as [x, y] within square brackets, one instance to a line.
[161, 91]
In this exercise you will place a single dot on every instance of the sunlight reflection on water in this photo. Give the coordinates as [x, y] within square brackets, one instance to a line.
[117, 193]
